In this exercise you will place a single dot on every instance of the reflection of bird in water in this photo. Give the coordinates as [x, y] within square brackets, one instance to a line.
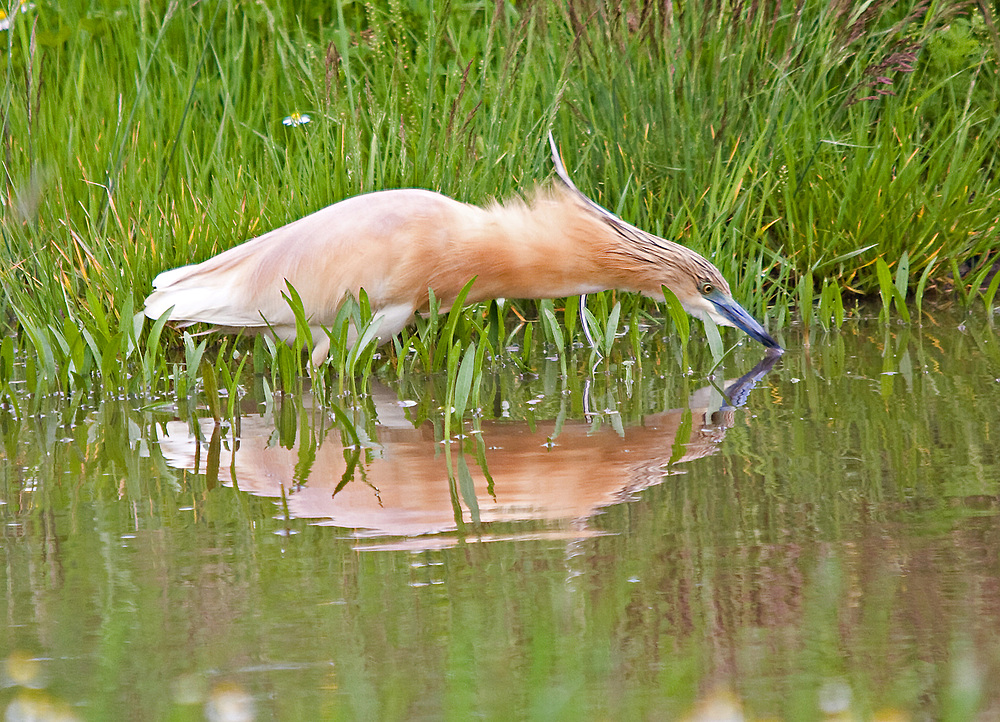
[405, 490]
[396, 244]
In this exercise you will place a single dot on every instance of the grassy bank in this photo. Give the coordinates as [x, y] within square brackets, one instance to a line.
[817, 153]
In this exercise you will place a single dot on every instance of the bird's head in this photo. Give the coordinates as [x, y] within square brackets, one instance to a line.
[705, 294]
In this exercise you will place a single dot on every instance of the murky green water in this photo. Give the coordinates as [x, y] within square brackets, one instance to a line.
[620, 545]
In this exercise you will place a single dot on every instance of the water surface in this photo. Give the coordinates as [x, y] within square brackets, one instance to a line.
[629, 542]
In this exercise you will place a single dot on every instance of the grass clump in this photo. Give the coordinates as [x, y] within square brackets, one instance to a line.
[808, 148]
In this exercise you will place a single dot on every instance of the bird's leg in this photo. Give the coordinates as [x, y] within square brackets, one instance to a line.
[319, 353]
[584, 322]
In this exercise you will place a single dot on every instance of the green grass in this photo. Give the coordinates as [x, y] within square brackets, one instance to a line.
[808, 151]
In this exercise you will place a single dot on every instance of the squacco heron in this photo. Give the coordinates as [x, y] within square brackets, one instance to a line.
[397, 244]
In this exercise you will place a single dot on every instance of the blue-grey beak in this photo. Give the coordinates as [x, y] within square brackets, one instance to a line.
[742, 320]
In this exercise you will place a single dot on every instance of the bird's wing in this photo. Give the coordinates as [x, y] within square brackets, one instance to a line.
[356, 243]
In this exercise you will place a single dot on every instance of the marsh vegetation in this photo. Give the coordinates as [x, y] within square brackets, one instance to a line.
[820, 153]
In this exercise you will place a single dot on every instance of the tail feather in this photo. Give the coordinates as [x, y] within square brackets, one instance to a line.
[193, 296]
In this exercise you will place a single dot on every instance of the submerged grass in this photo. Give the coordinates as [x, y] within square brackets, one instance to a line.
[817, 152]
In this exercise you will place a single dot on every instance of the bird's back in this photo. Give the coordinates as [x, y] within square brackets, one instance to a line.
[358, 242]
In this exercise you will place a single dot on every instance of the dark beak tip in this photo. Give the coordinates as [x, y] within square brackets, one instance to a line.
[772, 346]
[748, 324]
[768, 341]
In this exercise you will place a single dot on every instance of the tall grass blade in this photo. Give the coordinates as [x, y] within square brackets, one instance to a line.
[806, 294]
[886, 288]
[902, 281]
[611, 329]
[463, 380]
[990, 295]
[922, 284]
[714, 342]
[549, 318]
[681, 322]
[454, 314]
[210, 391]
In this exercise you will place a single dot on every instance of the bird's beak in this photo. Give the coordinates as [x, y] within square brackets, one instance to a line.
[738, 317]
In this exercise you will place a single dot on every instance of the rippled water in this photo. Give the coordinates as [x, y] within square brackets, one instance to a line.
[819, 539]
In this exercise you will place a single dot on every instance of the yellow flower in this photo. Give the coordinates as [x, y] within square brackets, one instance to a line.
[6, 22]
[296, 119]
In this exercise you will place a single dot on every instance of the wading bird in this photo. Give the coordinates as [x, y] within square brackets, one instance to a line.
[396, 244]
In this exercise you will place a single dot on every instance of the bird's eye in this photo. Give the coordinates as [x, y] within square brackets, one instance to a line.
[707, 288]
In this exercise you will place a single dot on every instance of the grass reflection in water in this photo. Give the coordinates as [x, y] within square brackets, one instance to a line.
[827, 549]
